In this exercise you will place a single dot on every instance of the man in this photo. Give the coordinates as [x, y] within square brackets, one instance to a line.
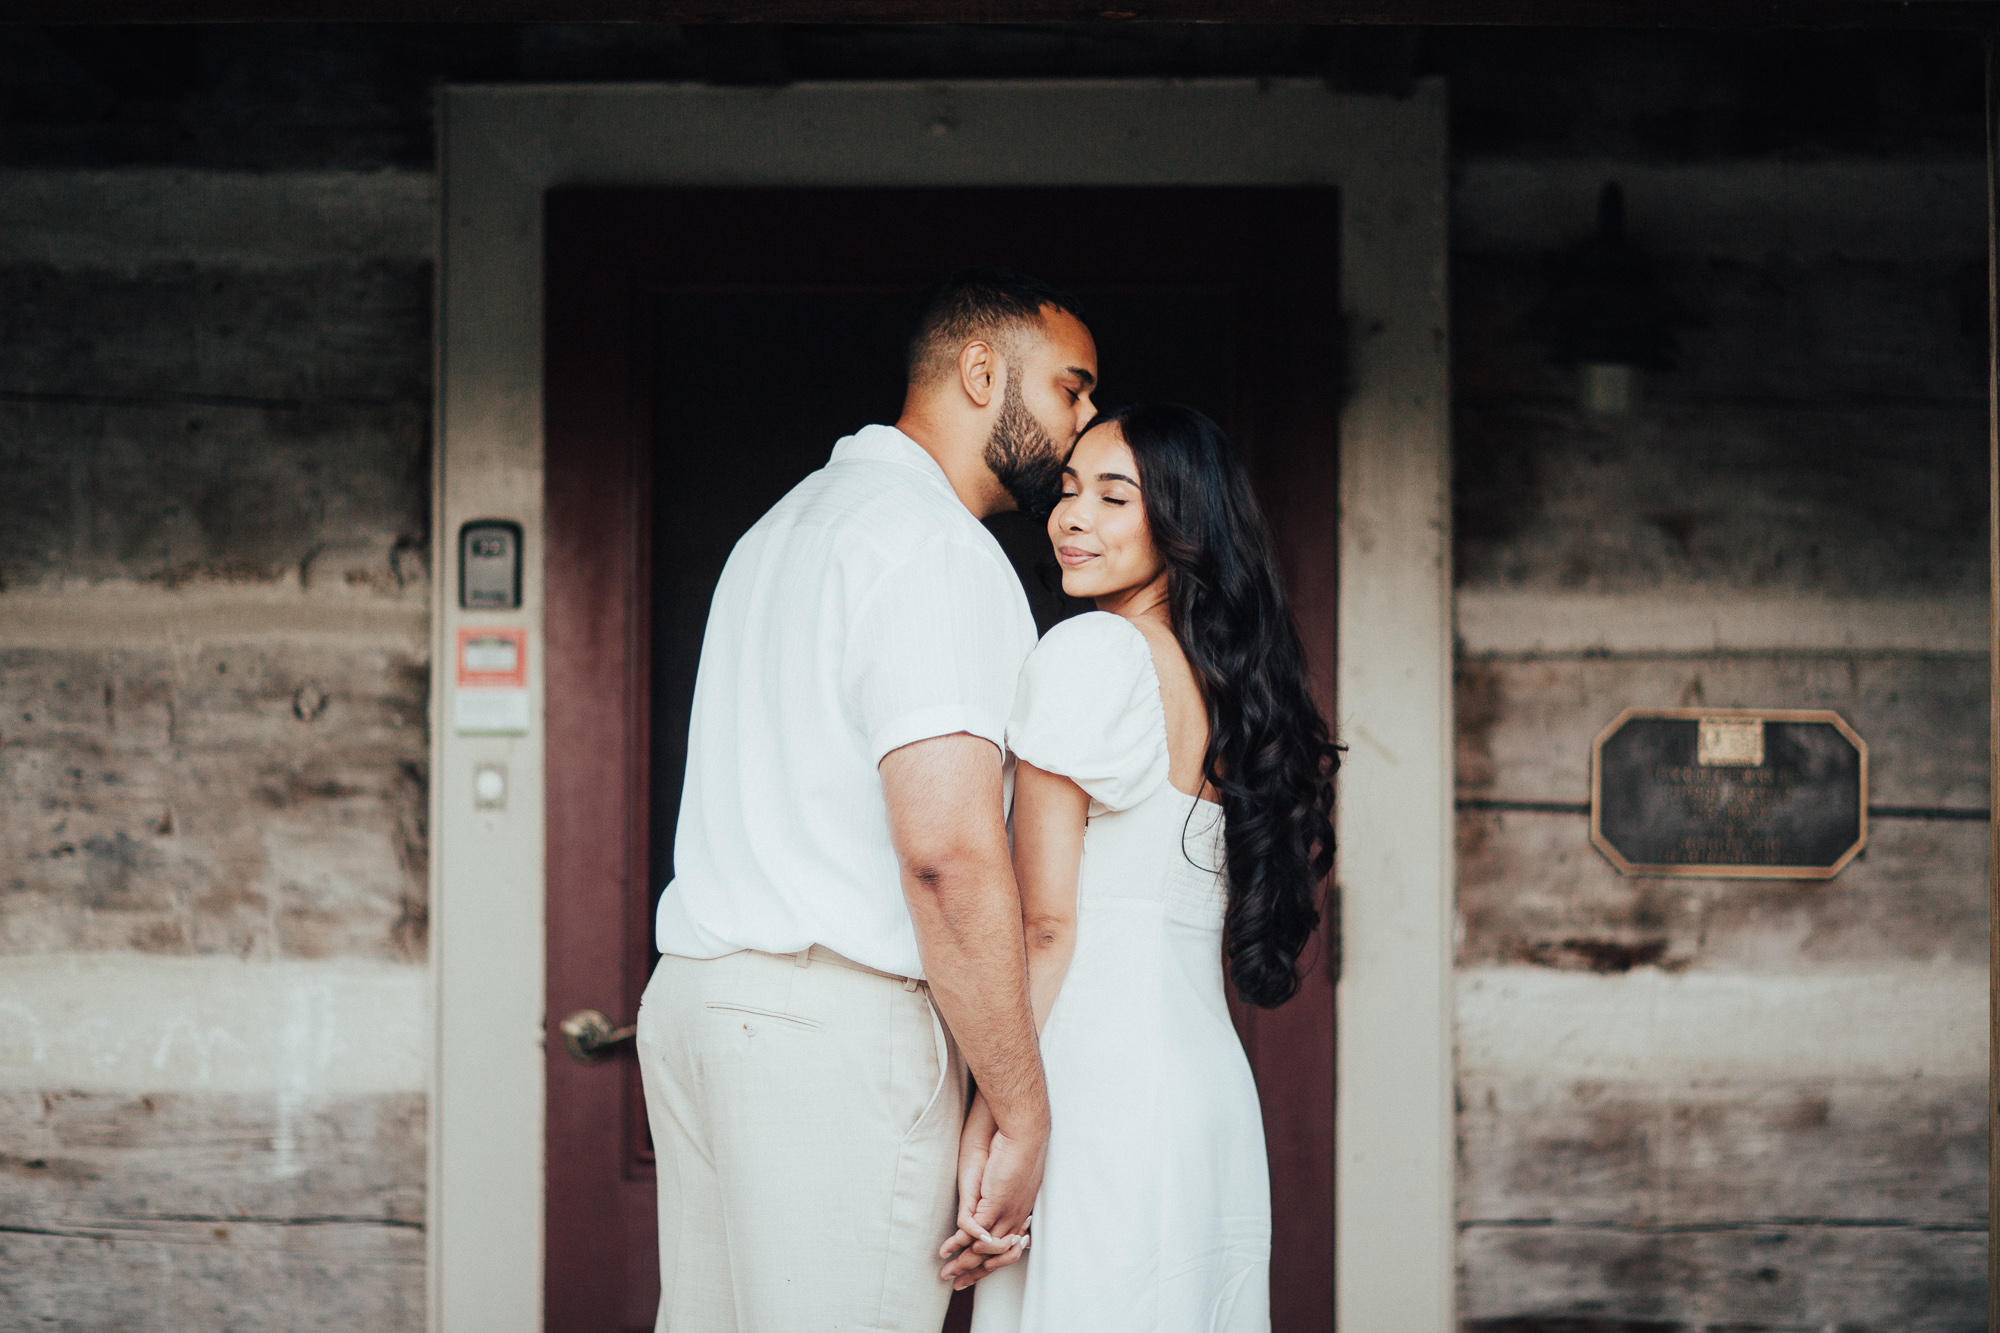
[842, 936]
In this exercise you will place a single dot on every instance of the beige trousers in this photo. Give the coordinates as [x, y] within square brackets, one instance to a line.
[805, 1115]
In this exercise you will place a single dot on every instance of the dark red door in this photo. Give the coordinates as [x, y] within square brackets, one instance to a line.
[705, 349]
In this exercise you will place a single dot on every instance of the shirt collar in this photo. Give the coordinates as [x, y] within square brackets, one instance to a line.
[886, 444]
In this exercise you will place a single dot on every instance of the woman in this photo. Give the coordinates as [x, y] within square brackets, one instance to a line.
[1172, 812]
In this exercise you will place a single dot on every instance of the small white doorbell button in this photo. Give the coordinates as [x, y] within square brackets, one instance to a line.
[489, 787]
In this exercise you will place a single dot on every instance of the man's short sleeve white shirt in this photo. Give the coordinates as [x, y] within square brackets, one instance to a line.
[866, 611]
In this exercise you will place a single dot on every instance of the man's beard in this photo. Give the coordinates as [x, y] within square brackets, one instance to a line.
[1023, 456]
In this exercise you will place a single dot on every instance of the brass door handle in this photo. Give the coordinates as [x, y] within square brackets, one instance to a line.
[586, 1034]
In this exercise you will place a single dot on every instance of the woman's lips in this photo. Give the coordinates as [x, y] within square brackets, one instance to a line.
[1074, 556]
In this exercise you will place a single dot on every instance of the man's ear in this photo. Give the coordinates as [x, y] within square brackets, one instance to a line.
[979, 370]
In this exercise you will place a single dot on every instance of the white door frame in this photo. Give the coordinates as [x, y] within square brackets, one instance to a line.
[503, 147]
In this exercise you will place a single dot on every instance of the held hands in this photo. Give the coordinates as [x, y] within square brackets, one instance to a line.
[998, 1179]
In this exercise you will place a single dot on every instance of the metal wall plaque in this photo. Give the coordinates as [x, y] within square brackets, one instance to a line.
[1729, 793]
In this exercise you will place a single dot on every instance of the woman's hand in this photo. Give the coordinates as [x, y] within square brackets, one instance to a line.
[975, 1145]
[998, 1178]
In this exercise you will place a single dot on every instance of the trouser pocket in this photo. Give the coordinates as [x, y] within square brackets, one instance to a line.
[941, 1052]
[752, 1016]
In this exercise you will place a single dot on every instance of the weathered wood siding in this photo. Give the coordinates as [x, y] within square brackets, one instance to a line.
[1683, 1106]
[1693, 1104]
[169, 1212]
[261, 801]
[214, 407]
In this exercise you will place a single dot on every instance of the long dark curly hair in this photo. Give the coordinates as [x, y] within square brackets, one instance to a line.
[1270, 754]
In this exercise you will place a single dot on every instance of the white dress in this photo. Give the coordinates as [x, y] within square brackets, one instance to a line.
[1155, 1210]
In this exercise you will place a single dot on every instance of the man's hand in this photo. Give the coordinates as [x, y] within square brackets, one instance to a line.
[1007, 1199]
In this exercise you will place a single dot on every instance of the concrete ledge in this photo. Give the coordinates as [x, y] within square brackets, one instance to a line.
[137, 1023]
[1667, 1027]
[1508, 622]
[114, 615]
[136, 217]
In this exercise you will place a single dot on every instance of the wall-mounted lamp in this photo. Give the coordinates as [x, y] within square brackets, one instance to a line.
[1609, 319]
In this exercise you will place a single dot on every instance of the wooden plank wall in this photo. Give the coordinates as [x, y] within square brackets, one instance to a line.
[1698, 1104]
[1682, 1106]
[214, 408]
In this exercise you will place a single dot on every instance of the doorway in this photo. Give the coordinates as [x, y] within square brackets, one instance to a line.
[493, 876]
[705, 350]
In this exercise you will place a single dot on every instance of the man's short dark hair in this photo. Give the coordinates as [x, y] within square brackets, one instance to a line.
[977, 303]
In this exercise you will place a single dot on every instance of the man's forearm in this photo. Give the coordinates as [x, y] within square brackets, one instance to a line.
[947, 818]
[968, 923]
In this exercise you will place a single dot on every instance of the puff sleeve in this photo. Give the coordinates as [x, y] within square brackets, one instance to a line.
[1088, 707]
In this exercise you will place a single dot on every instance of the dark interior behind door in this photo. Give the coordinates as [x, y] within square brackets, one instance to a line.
[705, 350]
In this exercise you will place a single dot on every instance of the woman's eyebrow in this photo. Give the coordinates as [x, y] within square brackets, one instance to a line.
[1115, 476]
